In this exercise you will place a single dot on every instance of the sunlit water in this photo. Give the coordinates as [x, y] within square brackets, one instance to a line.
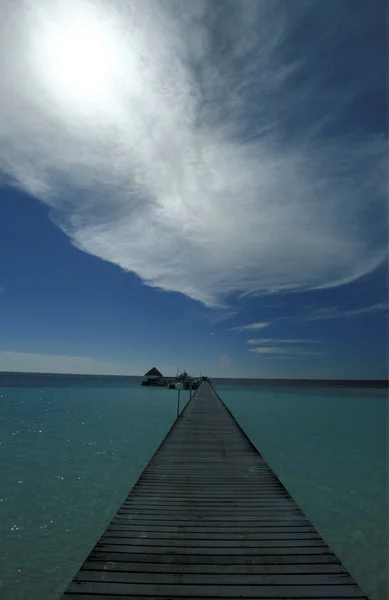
[70, 453]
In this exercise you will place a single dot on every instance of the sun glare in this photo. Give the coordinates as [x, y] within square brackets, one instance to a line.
[79, 57]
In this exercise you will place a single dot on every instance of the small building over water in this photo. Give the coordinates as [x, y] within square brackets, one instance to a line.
[153, 377]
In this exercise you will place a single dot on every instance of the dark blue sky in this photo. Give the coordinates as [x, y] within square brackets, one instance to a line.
[213, 199]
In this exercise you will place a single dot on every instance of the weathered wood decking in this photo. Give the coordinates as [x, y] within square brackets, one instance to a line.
[209, 519]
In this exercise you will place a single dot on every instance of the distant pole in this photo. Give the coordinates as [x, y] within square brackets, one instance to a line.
[190, 390]
[179, 387]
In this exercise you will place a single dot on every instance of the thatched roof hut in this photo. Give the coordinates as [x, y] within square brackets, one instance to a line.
[153, 373]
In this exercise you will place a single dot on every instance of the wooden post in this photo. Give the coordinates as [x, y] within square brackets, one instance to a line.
[179, 387]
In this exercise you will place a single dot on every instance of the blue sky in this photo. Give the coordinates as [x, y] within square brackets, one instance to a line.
[199, 185]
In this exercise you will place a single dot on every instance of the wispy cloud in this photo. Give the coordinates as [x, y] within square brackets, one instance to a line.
[280, 341]
[250, 326]
[335, 313]
[185, 141]
[219, 317]
[285, 351]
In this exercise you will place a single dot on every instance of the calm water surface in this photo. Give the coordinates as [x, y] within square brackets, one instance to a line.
[70, 452]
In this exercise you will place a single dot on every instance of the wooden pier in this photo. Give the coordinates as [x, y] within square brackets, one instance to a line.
[207, 519]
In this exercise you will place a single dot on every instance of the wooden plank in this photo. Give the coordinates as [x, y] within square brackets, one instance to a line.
[225, 501]
[246, 475]
[96, 564]
[266, 558]
[210, 526]
[214, 579]
[209, 535]
[239, 468]
[222, 495]
[217, 591]
[209, 519]
[123, 537]
[288, 507]
[212, 489]
[198, 513]
[202, 520]
[166, 492]
[196, 550]
[168, 505]
[182, 487]
[187, 496]
[249, 529]
[191, 482]
[82, 596]
[247, 472]
[248, 533]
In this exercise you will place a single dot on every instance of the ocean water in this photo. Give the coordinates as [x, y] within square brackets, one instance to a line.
[72, 448]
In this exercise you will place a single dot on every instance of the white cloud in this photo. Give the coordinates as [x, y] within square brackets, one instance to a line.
[278, 341]
[163, 151]
[285, 351]
[219, 316]
[250, 326]
[54, 363]
[335, 313]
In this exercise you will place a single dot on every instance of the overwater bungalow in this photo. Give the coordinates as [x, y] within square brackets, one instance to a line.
[154, 377]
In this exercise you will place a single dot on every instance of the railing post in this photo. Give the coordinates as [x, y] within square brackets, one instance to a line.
[179, 387]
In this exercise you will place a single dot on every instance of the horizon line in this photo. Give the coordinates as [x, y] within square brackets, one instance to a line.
[336, 379]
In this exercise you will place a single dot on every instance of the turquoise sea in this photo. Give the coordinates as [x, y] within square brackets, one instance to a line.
[71, 448]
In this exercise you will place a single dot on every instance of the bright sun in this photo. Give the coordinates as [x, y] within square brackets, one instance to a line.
[79, 56]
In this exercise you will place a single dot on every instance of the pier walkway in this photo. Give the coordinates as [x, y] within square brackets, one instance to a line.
[207, 519]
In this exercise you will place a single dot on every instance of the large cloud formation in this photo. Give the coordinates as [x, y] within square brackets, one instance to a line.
[204, 146]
